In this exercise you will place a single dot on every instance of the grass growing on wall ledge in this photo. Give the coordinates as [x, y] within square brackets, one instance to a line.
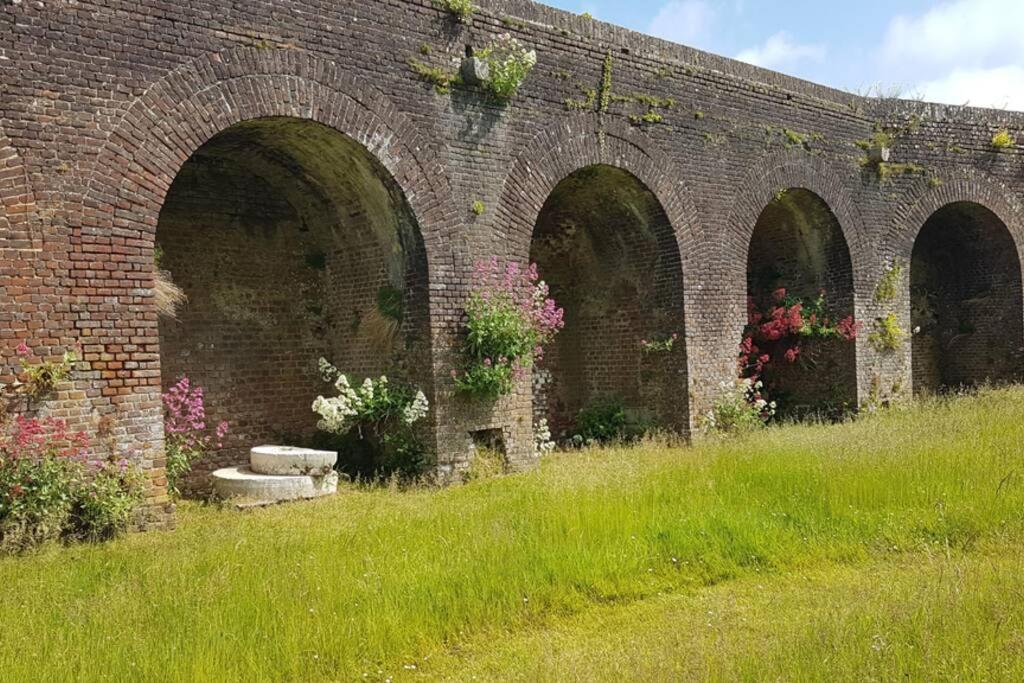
[841, 540]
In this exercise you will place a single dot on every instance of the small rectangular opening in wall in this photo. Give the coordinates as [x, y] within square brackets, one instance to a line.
[489, 457]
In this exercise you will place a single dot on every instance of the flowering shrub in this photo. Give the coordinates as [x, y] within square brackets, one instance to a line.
[778, 327]
[379, 414]
[659, 345]
[510, 318]
[186, 438]
[509, 64]
[741, 407]
[51, 488]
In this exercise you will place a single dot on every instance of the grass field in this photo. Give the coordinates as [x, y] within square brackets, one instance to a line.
[884, 547]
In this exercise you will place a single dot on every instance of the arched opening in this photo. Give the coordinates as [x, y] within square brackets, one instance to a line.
[800, 289]
[291, 243]
[966, 300]
[606, 247]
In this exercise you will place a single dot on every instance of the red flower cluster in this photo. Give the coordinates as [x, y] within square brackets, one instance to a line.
[777, 328]
[26, 438]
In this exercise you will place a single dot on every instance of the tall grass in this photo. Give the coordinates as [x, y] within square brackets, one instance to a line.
[376, 580]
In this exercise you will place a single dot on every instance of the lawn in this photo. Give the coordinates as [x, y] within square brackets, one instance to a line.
[888, 546]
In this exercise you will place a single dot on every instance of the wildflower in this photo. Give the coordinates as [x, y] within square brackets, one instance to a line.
[23, 350]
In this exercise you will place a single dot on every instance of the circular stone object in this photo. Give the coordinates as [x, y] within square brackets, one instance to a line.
[242, 482]
[288, 460]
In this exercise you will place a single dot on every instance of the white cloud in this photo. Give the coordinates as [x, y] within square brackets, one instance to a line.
[683, 21]
[780, 51]
[966, 33]
[962, 51]
[999, 87]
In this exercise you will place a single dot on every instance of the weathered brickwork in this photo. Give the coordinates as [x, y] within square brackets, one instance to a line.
[292, 165]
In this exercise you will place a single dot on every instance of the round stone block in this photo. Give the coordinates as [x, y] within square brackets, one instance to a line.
[288, 460]
[242, 482]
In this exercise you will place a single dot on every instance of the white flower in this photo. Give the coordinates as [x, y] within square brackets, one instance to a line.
[417, 410]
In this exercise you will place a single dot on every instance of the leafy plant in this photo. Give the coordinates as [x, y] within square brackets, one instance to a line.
[104, 503]
[607, 421]
[888, 335]
[36, 380]
[1003, 140]
[509, 63]
[888, 287]
[665, 345]
[479, 208]
[509, 320]
[51, 487]
[780, 325]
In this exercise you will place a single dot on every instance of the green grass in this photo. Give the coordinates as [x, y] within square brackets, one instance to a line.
[925, 616]
[377, 581]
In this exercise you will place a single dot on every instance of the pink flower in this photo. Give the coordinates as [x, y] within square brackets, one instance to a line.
[23, 350]
[792, 354]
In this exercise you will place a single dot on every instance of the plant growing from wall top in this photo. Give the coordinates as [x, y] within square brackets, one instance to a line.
[508, 65]
[461, 9]
[509, 320]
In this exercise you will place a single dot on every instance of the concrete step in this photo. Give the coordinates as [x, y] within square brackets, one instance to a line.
[244, 483]
[288, 460]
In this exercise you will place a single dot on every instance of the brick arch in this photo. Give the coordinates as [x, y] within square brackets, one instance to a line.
[17, 201]
[159, 133]
[553, 157]
[555, 154]
[756, 192]
[188, 107]
[969, 323]
[926, 199]
[786, 172]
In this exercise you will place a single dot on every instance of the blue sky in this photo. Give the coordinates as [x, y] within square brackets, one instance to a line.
[954, 51]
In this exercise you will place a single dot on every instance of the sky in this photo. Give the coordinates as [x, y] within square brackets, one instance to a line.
[952, 51]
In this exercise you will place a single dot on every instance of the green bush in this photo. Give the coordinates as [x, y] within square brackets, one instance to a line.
[608, 421]
[35, 502]
[740, 408]
[509, 64]
[103, 504]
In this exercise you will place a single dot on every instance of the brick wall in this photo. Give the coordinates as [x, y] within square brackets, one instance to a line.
[105, 102]
[966, 301]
